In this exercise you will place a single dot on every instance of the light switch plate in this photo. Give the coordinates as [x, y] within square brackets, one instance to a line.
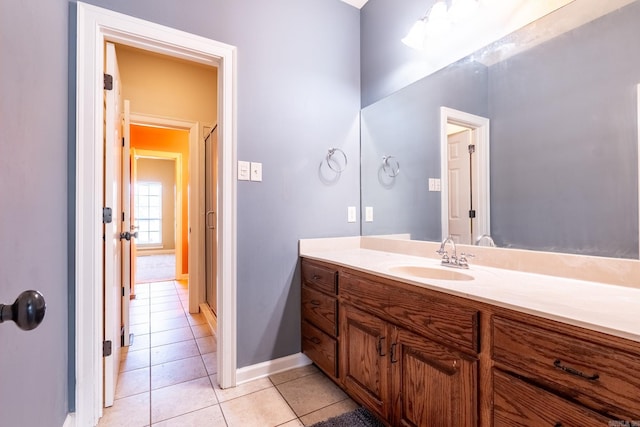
[368, 214]
[434, 184]
[244, 171]
[256, 171]
[351, 214]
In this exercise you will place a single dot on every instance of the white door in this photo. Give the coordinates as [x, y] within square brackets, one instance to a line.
[211, 219]
[112, 248]
[459, 170]
[127, 225]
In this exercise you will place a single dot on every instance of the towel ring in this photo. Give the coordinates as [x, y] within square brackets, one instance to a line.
[330, 159]
[390, 166]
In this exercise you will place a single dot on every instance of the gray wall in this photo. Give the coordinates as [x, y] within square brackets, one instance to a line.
[407, 126]
[298, 95]
[564, 161]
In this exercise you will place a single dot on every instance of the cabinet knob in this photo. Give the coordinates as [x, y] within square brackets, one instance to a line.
[27, 311]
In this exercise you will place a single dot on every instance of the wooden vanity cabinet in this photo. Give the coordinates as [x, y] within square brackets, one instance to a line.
[320, 316]
[405, 377]
[592, 376]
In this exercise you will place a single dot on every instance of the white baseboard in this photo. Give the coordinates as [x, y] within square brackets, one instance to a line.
[270, 367]
[70, 421]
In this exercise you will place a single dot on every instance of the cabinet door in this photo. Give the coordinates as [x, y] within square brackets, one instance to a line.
[364, 358]
[433, 385]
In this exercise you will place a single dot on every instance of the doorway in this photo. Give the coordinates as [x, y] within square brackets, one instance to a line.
[464, 162]
[95, 26]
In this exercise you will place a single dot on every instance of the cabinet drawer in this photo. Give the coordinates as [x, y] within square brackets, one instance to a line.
[319, 277]
[417, 311]
[517, 403]
[440, 319]
[599, 376]
[320, 348]
[320, 310]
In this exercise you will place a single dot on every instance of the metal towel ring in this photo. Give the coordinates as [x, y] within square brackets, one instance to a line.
[330, 159]
[390, 167]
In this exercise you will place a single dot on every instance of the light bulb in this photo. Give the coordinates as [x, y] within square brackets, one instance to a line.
[462, 9]
[415, 38]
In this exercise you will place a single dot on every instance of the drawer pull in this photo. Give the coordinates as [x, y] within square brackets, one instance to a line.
[315, 340]
[393, 353]
[558, 424]
[315, 302]
[316, 277]
[379, 347]
[558, 364]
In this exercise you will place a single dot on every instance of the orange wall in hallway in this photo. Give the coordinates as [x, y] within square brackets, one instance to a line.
[171, 141]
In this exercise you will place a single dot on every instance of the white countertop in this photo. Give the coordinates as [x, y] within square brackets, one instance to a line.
[607, 308]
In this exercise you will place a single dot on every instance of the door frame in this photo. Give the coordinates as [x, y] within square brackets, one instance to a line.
[177, 202]
[196, 223]
[96, 25]
[480, 136]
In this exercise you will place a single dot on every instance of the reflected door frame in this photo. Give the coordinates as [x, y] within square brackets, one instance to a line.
[480, 174]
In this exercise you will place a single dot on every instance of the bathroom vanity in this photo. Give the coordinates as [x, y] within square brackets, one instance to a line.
[490, 347]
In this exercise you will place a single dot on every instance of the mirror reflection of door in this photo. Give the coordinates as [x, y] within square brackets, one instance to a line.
[460, 184]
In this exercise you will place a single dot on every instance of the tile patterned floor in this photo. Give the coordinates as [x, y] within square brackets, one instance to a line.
[168, 376]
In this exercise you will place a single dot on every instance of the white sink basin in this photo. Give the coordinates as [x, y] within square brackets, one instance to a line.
[430, 273]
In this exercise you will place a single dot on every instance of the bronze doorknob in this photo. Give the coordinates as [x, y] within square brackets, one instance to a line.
[27, 311]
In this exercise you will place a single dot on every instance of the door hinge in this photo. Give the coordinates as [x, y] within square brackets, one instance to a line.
[122, 216]
[123, 291]
[123, 141]
[106, 348]
[472, 148]
[107, 215]
[108, 82]
[472, 213]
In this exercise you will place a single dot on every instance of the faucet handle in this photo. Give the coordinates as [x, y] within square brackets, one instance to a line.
[463, 259]
[465, 255]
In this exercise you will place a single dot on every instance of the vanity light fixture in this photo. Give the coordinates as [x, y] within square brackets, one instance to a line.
[438, 20]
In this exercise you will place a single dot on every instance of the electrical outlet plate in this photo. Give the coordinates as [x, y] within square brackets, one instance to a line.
[351, 214]
[244, 171]
[256, 171]
[368, 214]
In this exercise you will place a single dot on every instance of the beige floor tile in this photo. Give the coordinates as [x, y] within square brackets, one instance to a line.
[131, 360]
[155, 293]
[140, 342]
[165, 306]
[139, 329]
[330, 411]
[158, 286]
[202, 330]
[130, 411]
[292, 374]
[210, 362]
[165, 315]
[210, 417]
[175, 351]
[207, 344]
[171, 336]
[138, 318]
[180, 399]
[240, 390]
[262, 408]
[132, 382]
[167, 324]
[165, 298]
[292, 423]
[179, 371]
[310, 393]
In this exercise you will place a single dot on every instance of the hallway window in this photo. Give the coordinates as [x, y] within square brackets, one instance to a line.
[148, 212]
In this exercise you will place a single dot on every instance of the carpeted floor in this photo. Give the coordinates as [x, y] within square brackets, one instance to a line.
[356, 418]
[155, 268]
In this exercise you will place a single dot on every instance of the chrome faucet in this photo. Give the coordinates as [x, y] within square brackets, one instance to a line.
[453, 260]
[488, 238]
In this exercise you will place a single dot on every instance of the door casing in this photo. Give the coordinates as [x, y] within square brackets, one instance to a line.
[94, 26]
[480, 136]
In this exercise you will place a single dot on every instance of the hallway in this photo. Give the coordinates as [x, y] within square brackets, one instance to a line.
[168, 375]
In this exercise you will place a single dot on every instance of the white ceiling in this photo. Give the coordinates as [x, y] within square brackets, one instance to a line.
[356, 3]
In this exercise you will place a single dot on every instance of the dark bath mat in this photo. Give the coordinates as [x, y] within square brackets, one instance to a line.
[357, 418]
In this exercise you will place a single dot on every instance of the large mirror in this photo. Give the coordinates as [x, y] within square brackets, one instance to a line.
[562, 149]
